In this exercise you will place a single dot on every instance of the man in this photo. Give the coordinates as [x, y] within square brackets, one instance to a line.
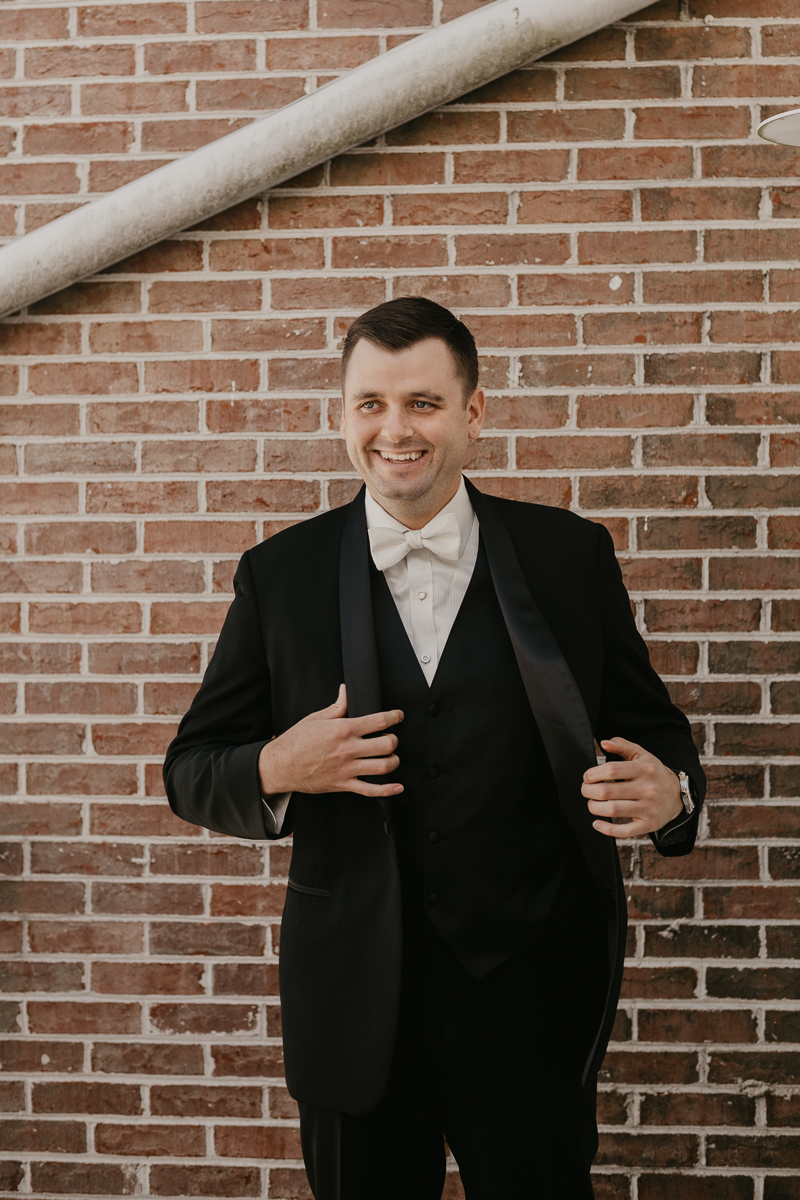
[412, 685]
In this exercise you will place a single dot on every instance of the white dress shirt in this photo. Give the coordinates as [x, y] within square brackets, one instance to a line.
[428, 592]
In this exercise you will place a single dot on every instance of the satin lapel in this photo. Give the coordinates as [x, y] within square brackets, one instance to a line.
[553, 694]
[359, 648]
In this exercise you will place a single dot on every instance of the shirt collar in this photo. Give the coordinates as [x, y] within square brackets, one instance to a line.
[460, 506]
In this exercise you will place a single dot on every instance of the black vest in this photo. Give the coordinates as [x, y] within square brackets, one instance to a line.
[483, 845]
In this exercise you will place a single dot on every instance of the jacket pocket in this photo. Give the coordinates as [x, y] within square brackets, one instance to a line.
[308, 891]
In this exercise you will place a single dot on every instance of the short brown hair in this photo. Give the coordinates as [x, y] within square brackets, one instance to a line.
[398, 324]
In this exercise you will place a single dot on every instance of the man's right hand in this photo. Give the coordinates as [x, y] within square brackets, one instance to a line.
[328, 751]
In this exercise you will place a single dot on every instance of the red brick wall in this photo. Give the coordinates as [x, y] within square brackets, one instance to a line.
[624, 249]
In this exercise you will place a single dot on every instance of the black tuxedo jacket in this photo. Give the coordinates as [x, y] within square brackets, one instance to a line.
[300, 624]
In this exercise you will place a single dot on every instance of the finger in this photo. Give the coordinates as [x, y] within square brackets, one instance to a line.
[616, 808]
[634, 829]
[374, 722]
[625, 749]
[617, 770]
[376, 766]
[362, 788]
[375, 747]
[610, 792]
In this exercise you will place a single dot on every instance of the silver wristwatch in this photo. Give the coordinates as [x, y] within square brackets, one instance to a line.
[686, 792]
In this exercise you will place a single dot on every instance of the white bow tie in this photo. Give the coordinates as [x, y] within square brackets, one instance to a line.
[441, 536]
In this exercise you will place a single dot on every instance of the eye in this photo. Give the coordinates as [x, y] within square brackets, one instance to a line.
[368, 405]
[420, 404]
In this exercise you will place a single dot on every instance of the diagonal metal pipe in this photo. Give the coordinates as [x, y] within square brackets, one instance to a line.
[412, 79]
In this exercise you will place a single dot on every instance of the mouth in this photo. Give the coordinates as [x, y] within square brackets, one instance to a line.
[407, 456]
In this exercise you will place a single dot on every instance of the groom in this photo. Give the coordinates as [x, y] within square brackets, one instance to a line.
[414, 685]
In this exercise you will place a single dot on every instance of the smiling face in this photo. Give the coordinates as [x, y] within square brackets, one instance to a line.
[407, 427]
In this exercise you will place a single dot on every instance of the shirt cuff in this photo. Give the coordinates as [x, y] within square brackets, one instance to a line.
[275, 812]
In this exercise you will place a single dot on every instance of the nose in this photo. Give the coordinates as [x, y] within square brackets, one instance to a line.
[396, 425]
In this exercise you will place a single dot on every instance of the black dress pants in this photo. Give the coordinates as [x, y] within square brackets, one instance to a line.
[493, 1065]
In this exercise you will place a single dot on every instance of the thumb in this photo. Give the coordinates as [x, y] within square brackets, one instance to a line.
[339, 706]
[333, 711]
[622, 747]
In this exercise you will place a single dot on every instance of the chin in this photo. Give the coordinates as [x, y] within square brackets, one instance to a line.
[389, 483]
[397, 489]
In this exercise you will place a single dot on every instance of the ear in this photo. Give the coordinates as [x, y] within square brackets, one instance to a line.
[476, 411]
[341, 423]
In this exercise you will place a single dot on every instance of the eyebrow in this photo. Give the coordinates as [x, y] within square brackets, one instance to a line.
[421, 394]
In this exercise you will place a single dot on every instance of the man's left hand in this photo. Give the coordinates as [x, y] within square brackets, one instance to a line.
[640, 793]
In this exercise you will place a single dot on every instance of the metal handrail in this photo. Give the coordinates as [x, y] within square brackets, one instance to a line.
[413, 78]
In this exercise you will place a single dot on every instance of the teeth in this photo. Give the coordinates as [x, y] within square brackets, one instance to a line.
[415, 454]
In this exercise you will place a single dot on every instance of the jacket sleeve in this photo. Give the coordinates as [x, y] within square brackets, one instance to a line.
[635, 703]
[211, 767]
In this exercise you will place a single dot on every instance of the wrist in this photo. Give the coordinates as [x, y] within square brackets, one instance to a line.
[270, 775]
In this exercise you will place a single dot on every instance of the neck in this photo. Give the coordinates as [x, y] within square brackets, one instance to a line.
[414, 514]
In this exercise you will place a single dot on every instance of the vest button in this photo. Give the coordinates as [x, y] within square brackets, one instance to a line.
[432, 899]
[433, 772]
[433, 710]
[433, 836]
